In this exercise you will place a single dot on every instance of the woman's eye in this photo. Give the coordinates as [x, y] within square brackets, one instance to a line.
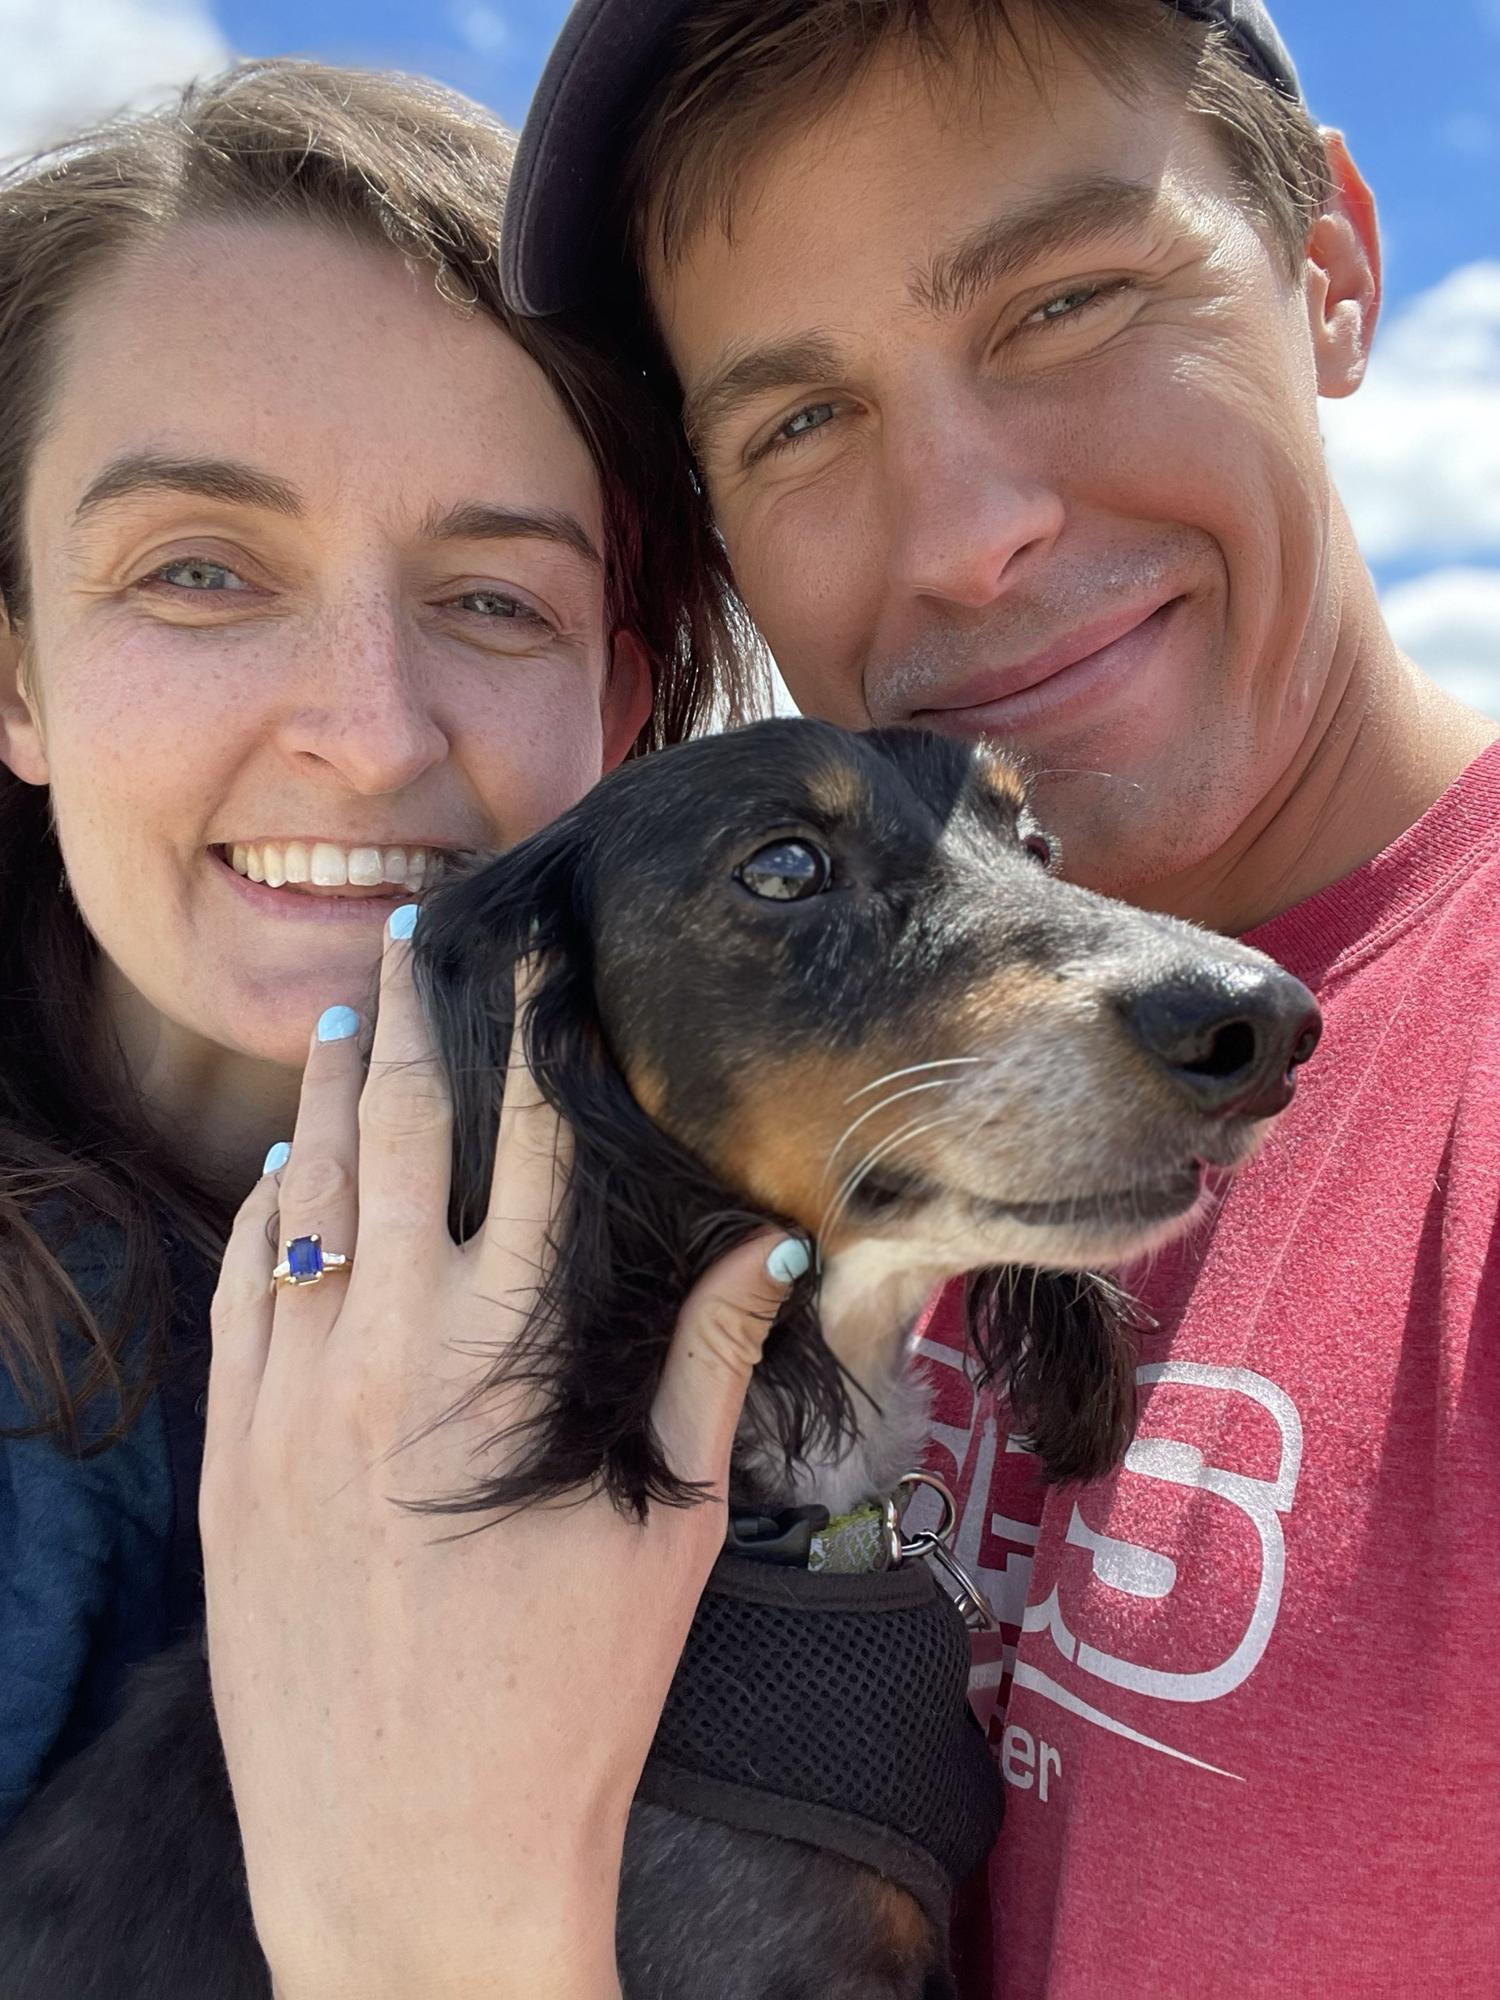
[495, 604]
[196, 573]
[787, 871]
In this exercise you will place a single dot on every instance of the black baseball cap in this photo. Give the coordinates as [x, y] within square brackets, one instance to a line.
[608, 57]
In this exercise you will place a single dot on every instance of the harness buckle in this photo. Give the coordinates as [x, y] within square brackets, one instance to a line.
[785, 1538]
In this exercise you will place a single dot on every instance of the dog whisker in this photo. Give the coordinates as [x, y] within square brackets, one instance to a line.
[914, 1069]
[911, 1090]
[916, 1129]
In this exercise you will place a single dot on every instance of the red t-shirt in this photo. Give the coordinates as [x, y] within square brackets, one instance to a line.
[1247, 1698]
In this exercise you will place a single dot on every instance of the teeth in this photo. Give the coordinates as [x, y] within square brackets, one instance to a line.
[327, 865]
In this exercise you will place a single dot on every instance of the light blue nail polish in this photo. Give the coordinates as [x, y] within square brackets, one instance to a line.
[337, 1024]
[404, 921]
[277, 1158]
[789, 1261]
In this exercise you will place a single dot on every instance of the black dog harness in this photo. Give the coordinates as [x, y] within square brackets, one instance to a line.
[833, 1709]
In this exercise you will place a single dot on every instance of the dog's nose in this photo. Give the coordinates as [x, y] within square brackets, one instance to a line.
[1230, 1037]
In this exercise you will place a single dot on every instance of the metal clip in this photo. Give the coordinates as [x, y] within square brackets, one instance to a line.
[933, 1544]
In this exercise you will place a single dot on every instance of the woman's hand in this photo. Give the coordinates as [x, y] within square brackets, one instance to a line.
[434, 1731]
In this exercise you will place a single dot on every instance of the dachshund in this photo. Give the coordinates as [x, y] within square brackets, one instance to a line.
[786, 974]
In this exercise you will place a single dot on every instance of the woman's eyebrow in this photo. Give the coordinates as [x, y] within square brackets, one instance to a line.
[211, 478]
[481, 521]
[246, 486]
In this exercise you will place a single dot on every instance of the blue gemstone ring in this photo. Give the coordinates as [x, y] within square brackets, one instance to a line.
[306, 1262]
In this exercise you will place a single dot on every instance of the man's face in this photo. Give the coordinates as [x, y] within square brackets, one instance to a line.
[1008, 411]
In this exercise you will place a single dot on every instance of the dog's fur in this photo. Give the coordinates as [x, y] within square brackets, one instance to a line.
[933, 1065]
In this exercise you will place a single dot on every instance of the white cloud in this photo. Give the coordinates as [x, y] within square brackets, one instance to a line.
[1417, 451]
[1449, 622]
[482, 28]
[1470, 133]
[69, 61]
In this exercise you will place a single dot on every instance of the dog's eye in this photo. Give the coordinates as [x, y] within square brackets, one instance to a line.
[786, 871]
[1039, 847]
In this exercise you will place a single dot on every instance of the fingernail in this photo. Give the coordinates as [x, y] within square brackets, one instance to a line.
[337, 1024]
[277, 1158]
[790, 1260]
[404, 921]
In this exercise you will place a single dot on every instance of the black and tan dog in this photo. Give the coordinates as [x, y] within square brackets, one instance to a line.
[787, 973]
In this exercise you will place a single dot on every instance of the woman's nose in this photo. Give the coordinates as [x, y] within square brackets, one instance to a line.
[365, 705]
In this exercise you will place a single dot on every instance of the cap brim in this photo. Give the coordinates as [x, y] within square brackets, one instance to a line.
[560, 246]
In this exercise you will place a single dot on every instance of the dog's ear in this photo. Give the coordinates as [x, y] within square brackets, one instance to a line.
[474, 933]
[641, 1219]
[1060, 1344]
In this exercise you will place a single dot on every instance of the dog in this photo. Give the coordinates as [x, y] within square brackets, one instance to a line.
[834, 982]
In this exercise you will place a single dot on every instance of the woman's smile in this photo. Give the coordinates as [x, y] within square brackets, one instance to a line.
[328, 881]
[332, 866]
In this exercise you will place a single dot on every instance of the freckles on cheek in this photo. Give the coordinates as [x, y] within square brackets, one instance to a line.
[551, 753]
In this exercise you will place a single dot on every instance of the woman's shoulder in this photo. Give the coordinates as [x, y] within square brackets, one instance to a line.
[85, 1543]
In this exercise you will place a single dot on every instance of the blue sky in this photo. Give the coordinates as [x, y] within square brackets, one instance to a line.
[1414, 83]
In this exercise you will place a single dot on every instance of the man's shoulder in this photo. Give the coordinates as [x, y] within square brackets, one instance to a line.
[1443, 930]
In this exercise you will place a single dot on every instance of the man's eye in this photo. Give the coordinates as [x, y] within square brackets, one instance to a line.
[197, 574]
[812, 418]
[1071, 305]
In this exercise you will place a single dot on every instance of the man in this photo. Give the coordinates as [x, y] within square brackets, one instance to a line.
[999, 328]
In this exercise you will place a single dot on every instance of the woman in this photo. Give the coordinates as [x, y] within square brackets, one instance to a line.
[317, 571]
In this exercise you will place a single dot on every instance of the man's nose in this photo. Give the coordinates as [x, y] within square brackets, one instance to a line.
[364, 707]
[964, 512]
[1229, 1038]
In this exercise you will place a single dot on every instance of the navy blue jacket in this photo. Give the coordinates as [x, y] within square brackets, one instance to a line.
[100, 1564]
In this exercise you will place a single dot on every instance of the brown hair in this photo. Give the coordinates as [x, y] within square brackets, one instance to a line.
[391, 161]
[748, 70]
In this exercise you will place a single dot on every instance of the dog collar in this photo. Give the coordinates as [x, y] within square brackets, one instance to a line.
[866, 1541]
[860, 1543]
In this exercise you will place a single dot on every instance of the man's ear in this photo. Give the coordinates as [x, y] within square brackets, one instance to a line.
[20, 732]
[628, 696]
[1343, 276]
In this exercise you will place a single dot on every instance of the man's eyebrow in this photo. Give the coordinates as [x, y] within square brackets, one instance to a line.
[479, 521]
[1098, 206]
[210, 478]
[747, 372]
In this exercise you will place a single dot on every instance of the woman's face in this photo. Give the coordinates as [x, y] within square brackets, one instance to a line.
[317, 597]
